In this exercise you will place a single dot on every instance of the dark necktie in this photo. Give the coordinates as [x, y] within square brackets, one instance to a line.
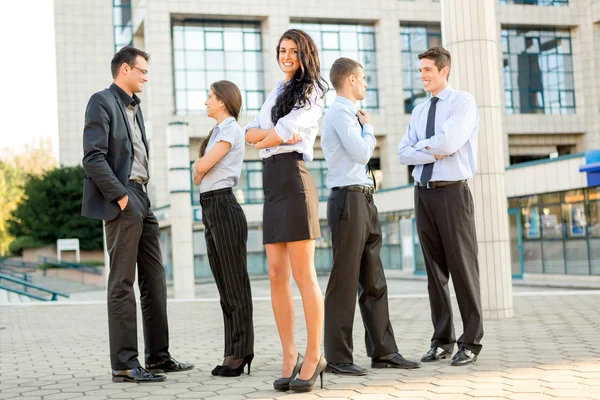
[368, 166]
[429, 132]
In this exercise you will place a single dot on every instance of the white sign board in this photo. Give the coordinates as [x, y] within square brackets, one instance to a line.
[67, 245]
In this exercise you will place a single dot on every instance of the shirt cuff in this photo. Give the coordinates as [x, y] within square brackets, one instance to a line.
[368, 129]
[120, 197]
[285, 135]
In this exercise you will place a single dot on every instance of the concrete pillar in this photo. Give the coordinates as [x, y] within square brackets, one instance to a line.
[180, 210]
[470, 33]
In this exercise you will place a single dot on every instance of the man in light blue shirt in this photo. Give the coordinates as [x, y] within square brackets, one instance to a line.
[348, 141]
[441, 142]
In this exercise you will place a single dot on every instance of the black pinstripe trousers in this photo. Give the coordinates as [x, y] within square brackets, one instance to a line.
[226, 233]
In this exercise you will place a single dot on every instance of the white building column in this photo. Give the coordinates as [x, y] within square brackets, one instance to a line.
[180, 210]
[470, 33]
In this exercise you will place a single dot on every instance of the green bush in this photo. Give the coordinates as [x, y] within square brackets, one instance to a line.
[51, 210]
[21, 243]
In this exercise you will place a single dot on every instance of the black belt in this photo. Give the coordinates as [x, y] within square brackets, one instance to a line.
[137, 185]
[293, 154]
[215, 193]
[356, 188]
[437, 184]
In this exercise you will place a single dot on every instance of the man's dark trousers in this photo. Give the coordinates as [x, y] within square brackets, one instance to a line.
[446, 228]
[356, 241]
[132, 238]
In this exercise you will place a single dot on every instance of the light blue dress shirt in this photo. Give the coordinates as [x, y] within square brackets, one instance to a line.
[347, 147]
[456, 128]
[303, 121]
[227, 171]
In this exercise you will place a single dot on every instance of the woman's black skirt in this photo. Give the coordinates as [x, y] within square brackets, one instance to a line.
[291, 208]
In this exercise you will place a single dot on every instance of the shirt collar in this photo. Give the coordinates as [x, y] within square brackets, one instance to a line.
[226, 121]
[443, 95]
[348, 103]
[127, 99]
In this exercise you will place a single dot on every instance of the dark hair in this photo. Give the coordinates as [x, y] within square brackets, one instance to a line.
[230, 95]
[440, 56]
[341, 69]
[127, 55]
[297, 91]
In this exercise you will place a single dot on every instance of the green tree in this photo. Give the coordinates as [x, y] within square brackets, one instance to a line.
[33, 159]
[51, 207]
[11, 190]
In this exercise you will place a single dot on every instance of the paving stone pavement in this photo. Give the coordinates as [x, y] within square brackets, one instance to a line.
[548, 350]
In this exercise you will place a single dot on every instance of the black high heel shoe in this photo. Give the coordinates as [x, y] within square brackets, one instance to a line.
[283, 384]
[301, 385]
[226, 371]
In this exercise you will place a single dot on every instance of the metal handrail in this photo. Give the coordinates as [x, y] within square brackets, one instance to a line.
[27, 285]
[46, 261]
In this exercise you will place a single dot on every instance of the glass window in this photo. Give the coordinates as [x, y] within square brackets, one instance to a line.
[416, 39]
[346, 40]
[573, 196]
[551, 198]
[551, 222]
[531, 223]
[538, 69]
[208, 51]
[249, 188]
[122, 24]
[594, 218]
[594, 193]
[576, 222]
[525, 201]
[555, 3]
[318, 170]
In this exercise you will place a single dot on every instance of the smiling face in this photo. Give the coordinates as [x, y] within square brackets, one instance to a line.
[434, 79]
[288, 58]
[214, 106]
[135, 77]
[360, 84]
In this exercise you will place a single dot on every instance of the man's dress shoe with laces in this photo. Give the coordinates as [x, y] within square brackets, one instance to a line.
[394, 360]
[434, 354]
[464, 356]
[136, 375]
[171, 365]
[346, 369]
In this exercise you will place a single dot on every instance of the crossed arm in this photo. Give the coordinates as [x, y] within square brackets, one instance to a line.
[453, 135]
[209, 160]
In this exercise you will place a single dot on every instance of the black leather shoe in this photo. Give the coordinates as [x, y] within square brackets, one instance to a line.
[394, 360]
[171, 365]
[283, 384]
[463, 356]
[307, 385]
[435, 353]
[136, 375]
[216, 370]
[346, 369]
[237, 371]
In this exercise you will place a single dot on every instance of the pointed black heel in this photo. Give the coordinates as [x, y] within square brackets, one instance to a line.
[283, 384]
[301, 385]
[226, 371]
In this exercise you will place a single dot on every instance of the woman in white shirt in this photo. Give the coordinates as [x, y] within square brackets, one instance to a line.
[285, 131]
[225, 228]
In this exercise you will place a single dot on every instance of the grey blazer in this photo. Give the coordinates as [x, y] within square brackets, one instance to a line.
[107, 152]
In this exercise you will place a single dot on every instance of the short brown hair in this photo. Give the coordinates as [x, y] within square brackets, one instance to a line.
[440, 56]
[127, 55]
[341, 69]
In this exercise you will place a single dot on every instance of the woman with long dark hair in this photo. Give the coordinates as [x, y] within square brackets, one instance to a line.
[285, 132]
[225, 228]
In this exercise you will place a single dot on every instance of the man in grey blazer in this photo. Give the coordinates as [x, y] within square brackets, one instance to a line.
[116, 174]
